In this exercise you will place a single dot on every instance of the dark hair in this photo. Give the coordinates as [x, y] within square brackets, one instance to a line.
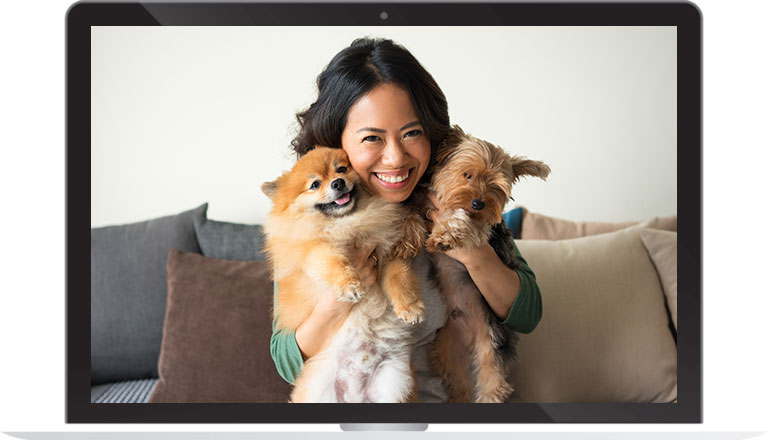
[355, 71]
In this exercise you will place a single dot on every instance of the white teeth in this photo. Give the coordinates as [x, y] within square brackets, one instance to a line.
[392, 179]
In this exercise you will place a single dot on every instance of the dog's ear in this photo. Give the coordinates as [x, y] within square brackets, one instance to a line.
[450, 145]
[269, 188]
[516, 167]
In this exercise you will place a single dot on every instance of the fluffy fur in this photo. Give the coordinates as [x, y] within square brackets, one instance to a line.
[319, 212]
[473, 180]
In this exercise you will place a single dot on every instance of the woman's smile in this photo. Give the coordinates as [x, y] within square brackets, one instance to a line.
[393, 179]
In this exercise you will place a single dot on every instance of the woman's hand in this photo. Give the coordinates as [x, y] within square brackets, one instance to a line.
[329, 313]
[498, 284]
[365, 263]
[431, 214]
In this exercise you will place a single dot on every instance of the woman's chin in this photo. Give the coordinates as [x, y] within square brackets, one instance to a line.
[391, 196]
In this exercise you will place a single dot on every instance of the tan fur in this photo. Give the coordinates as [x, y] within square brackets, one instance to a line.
[308, 236]
[470, 169]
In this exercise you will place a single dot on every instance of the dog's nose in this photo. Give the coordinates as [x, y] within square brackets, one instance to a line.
[338, 184]
[477, 204]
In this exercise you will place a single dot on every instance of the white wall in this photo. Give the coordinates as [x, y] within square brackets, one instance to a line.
[181, 116]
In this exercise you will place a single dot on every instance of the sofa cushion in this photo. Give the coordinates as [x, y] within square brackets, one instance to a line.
[604, 334]
[128, 290]
[230, 241]
[216, 335]
[541, 227]
[662, 247]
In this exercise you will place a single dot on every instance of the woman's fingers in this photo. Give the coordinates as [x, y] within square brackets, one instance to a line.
[431, 211]
[366, 264]
[371, 273]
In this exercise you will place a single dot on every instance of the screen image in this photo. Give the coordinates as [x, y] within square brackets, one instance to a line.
[240, 272]
[186, 116]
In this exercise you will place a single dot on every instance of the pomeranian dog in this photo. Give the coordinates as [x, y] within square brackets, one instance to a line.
[473, 181]
[320, 212]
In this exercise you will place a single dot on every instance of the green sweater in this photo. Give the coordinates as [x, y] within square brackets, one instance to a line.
[523, 317]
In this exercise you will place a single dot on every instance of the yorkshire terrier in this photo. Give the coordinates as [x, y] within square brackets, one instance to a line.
[319, 212]
[473, 181]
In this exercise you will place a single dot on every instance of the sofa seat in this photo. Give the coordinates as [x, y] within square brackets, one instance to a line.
[127, 391]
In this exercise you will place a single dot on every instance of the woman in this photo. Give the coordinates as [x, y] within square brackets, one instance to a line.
[388, 114]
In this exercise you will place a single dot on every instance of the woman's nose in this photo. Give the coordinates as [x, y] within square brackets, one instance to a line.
[393, 155]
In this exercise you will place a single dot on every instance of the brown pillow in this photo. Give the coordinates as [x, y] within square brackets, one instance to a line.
[604, 333]
[216, 334]
[662, 247]
[541, 227]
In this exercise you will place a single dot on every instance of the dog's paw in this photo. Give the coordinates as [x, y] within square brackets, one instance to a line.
[352, 292]
[412, 241]
[440, 243]
[403, 251]
[411, 313]
[497, 395]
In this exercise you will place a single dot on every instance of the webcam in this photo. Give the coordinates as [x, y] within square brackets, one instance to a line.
[383, 15]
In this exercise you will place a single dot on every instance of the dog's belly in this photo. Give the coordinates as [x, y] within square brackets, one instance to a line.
[368, 361]
[359, 359]
[463, 301]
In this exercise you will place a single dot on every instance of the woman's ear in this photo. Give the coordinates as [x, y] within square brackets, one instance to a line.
[269, 188]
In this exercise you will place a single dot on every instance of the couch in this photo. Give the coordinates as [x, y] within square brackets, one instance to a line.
[180, 311]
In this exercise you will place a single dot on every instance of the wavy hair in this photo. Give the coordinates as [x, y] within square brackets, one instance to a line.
[355, 71]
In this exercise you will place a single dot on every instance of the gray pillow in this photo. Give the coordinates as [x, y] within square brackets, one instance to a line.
[129, 290]
[230, 241]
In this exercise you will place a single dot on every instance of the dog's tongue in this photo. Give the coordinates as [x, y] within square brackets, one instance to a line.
[343, 199]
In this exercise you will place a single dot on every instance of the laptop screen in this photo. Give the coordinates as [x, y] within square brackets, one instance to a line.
[188, 109]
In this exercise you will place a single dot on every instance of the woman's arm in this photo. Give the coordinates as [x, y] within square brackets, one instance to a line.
[316, 331]
[498, 283]
[289, 349]
[512, 294]
[285, 354]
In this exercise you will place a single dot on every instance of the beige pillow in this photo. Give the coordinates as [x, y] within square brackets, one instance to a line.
[541, 227]
[662, 247]
[604, 334]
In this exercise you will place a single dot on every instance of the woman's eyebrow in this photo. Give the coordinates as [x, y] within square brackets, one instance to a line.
[410, 124]
[377, 130]
[381, 130]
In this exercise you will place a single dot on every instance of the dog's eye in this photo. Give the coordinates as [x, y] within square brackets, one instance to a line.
[341, 170]
[468, 176]
[315, 185]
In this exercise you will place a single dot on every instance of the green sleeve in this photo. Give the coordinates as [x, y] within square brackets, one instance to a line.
[525, 313]
[285, 352]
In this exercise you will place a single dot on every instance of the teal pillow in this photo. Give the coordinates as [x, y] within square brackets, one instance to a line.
[514, 221]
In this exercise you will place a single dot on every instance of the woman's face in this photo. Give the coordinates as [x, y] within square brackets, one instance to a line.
[386, 143]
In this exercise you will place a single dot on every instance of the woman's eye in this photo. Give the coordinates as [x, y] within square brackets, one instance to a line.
[370, 138]
[315, 185]
[341, 170]
[413, 133]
